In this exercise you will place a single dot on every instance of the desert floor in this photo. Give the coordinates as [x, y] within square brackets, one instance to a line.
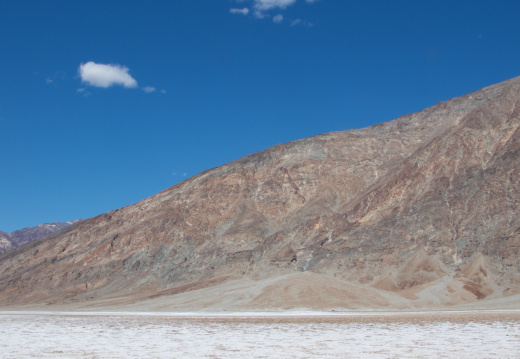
[294, 334]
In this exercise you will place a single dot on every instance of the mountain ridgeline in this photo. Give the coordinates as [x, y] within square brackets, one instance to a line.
[419, 212]
[9, 241]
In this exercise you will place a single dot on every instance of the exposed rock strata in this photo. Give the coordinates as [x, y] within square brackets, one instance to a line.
[423, 208]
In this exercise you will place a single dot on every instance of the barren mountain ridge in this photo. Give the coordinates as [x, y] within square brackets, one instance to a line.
[418, 212]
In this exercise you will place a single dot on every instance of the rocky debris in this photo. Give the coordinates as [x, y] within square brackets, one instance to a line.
[422, 208]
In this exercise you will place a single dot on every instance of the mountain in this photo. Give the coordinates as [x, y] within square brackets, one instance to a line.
[418, 212]
[17, 238]
[5, 242]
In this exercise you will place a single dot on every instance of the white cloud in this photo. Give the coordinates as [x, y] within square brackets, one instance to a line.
[163, 91]
[84, 92]
[263, 5]
[259, 15]
[101, 75]
[297, 22]
[261, 9]
[149, 89]
[243, 11]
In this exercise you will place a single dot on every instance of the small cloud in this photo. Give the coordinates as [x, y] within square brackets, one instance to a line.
[56, 77]
[163, 92]
[102, 75]
[259, 15]
[300, 22]
[243, 11]
[263, 5]
[149, 89]
[83, 91]
[261, 9]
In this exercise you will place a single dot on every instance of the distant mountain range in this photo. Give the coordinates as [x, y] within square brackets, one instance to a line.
[20, 237]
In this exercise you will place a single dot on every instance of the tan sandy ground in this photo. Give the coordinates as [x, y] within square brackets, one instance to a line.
[483, 316]
[370, 317]
[291, 292]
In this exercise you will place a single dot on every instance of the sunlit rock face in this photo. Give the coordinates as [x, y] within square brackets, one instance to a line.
[419, 211]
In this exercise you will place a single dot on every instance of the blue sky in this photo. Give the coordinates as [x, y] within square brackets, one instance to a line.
[104, 103]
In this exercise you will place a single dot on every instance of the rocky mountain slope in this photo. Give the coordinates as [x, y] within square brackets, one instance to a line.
[17, 238]
[417, 212]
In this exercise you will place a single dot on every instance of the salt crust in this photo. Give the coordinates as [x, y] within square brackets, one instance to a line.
[260, 335]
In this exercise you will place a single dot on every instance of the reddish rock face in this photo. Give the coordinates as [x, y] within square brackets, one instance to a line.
[425, 206]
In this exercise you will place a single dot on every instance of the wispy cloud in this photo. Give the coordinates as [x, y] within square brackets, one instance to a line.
[264, 5]
[56, 77]
[261, 9]
[149, 89]
[278, 18]
[243, 11]
[102, 75]
[84, 92]
[301, 22]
